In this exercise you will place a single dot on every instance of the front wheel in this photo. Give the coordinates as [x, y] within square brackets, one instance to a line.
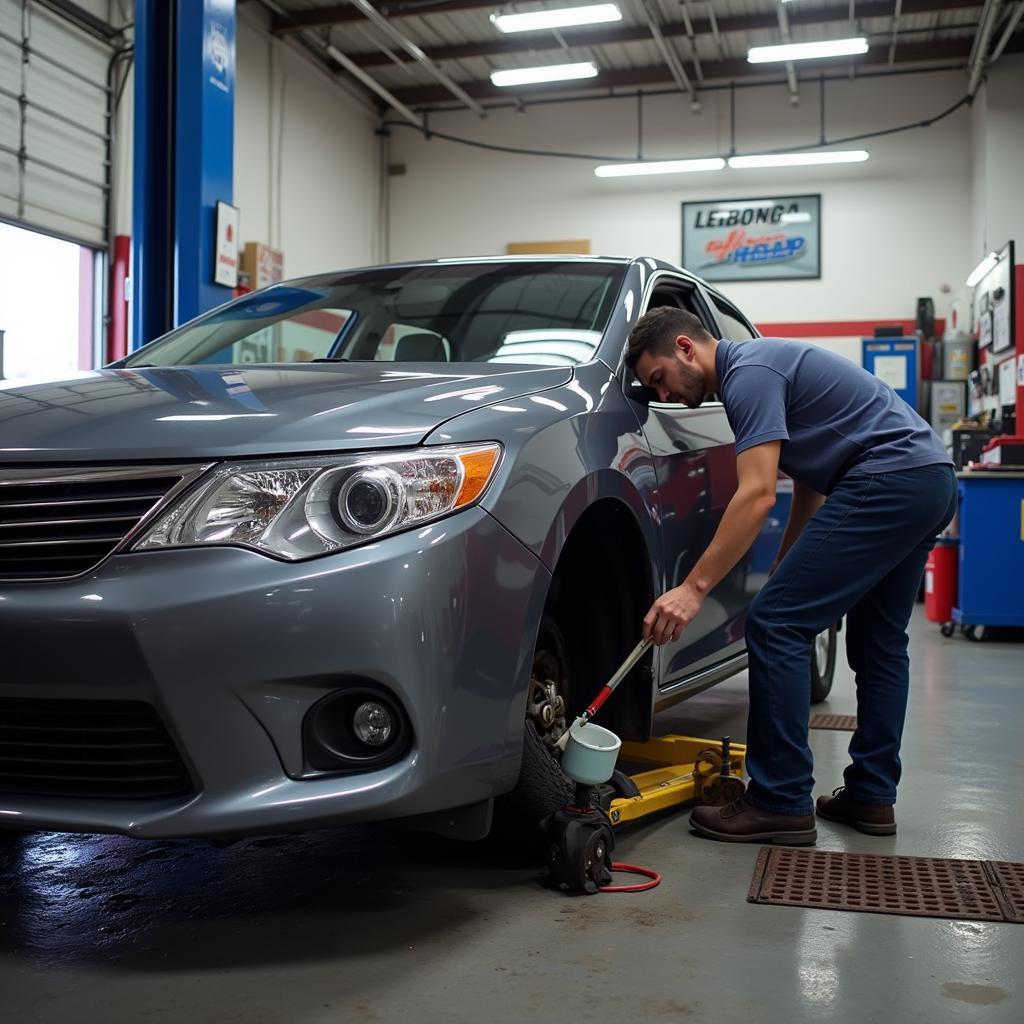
[823, 664]
[542, 788]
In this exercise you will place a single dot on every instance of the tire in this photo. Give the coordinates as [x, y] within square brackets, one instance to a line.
[947, 629]
[823, 664]
[542, 788]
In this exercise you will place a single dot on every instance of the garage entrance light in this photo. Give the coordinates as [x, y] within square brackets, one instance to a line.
[982, 269]
[550, 73]
[535, 21]
[807, 51]
[659, 167]
[845, 156]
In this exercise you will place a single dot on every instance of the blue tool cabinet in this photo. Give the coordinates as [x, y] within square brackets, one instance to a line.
[991, 571]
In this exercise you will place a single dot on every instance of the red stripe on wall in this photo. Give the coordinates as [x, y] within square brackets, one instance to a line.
[841, 328]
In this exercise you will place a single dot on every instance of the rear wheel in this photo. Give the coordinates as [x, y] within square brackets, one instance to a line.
[823, 664]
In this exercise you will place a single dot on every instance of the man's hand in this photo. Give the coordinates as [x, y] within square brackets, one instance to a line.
[672, 613]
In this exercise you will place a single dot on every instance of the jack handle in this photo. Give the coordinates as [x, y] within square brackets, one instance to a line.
[637, 653]
[623, 670]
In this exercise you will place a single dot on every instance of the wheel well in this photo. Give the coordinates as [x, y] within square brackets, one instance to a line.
[599, 594]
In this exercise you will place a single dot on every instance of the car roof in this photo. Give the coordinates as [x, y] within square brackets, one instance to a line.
[648, 262]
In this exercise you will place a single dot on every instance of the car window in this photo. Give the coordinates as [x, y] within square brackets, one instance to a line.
[730, 324]
[409, 343]
[304, 337]
[549, 312]
[680, 296]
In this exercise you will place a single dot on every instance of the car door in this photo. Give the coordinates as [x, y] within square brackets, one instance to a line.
[694, 459]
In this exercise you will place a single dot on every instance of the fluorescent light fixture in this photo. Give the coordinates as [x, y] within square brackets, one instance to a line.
[550, 73]
[845, 156]
[982, 269]
[659, 167]
[807, 51]
[566, 17]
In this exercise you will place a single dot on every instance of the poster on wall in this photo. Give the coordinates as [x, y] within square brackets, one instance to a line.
[775, 238]
[225, 265]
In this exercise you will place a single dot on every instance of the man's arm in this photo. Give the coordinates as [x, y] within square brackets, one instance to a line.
[805, 503]
[757, 469]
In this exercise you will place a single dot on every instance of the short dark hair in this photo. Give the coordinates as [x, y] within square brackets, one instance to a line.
[657, 330]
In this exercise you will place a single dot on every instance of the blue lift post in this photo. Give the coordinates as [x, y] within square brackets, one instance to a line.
[183, 158]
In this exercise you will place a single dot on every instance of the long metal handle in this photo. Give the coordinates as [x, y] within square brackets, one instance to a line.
[623, 670]
[638, 652]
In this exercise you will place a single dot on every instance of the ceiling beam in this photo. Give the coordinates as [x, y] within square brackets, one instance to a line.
[530, 41]
[340, 14]
[950, 50]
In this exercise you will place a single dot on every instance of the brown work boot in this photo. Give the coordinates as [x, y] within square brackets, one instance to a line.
[741, 822]
[871, 819]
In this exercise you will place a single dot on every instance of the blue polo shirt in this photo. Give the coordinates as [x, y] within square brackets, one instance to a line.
[834, 418]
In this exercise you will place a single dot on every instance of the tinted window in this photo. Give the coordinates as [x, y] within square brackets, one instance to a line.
[730, 324]
[548, 313]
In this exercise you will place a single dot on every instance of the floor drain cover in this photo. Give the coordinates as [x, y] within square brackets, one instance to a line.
[1009, 886]
[875, 883]
[847, 722]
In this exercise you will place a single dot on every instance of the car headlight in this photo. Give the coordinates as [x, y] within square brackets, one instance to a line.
[299, 508]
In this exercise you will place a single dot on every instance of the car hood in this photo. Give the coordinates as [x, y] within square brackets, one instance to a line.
[216, 411]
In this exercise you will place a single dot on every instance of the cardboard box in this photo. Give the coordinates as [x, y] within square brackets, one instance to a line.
[263, 264]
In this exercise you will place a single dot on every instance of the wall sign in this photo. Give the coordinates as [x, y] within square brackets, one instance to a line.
[775, 238]
[225, 261]
[993, 306]
[1007, 381]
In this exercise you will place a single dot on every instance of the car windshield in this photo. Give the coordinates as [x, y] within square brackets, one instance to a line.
[547, 313]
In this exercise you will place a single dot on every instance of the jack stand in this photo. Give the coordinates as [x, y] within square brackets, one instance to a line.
[678, 770]
[581, 843]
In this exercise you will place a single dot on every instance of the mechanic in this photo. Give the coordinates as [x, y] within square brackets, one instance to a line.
[872, 487]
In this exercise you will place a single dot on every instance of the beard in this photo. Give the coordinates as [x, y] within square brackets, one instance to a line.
[693, 388]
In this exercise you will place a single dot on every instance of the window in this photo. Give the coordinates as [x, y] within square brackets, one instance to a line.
[407, 343]
[304, 337]
[732, 326]
[545, 313]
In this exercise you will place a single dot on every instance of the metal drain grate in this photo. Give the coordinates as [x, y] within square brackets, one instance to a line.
[873, 883]
[1009, 887]
[843, 722]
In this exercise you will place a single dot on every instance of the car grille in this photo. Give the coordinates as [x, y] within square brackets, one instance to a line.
[88, 748]
[63, 524]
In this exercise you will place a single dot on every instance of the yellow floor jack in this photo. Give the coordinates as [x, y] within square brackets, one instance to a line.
[673, 770]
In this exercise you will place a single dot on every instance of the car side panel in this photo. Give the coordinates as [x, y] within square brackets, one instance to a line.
[694, 459]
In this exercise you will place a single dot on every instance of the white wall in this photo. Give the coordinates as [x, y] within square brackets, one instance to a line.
[895, 228]
[307, 176]
[307, 167]
[998, 143]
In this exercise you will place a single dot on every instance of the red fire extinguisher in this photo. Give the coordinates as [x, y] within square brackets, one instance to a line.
[940, 583]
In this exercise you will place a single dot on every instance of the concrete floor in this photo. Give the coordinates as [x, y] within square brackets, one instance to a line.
[365, 925]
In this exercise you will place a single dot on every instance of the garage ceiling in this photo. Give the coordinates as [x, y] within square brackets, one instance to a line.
[704, 42]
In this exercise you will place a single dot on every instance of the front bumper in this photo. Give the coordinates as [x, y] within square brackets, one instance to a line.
[232, 648]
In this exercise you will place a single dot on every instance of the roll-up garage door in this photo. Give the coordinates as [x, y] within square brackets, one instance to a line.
[53, 123]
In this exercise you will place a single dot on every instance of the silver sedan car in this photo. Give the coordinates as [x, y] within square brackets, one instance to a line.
[356, 547]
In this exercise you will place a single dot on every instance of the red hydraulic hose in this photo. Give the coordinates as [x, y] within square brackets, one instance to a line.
[633, 869]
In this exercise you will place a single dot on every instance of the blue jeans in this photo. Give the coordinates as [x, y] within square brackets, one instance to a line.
[862, 555]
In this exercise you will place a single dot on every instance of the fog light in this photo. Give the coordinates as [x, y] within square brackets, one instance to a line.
[355, 728]
[373, 723]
